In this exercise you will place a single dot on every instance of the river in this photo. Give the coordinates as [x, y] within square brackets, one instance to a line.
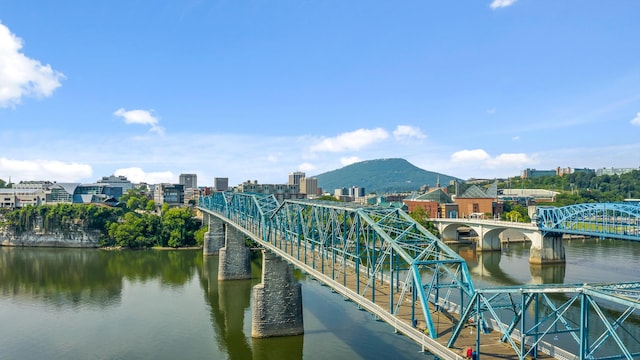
[95, 304]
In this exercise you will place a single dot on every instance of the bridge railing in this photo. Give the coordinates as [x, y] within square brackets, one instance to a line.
[604, 220]
[387, 244]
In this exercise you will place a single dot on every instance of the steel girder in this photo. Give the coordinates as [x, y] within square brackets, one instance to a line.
[379, 244]
[610, 220]
[387, 245]
[593, 315]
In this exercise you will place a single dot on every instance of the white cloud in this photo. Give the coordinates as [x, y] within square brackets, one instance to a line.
[516, 138]
[137, 175]
[406, 132]
[306, 167]
[349, 160]
[143, 117]
[52, 170]
[470, 155]
[636, 120]
[354, 140]
[479, 159]
[501, 3]
[510, 160]
[491, 111]
[21, 76]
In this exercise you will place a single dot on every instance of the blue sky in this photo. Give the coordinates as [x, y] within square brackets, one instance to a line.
[257, 89]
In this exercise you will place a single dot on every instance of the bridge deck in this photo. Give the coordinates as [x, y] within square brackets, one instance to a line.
[491, 348]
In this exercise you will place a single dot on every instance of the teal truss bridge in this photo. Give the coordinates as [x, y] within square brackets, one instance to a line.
[391, 266]
[604, 220]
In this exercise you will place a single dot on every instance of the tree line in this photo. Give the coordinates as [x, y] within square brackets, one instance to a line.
[133, 224]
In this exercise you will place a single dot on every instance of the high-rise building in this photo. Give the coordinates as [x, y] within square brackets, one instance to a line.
[309, 186]
[294, 177]
[189, 181]
[220, 184]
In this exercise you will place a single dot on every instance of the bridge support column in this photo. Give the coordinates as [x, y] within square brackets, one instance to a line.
[488, 241]
[214, 237]
[277, 301]
[547, 249]
[235, 257]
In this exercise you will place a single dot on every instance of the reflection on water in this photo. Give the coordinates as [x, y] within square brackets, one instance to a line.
[88, 303]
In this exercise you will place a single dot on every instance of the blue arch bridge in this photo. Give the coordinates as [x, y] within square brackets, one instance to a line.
[391, 266]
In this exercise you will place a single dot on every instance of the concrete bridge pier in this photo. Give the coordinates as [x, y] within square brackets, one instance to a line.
[235, 257]
[214, 237]
[547, 249]
[488, 239]
[277, 301]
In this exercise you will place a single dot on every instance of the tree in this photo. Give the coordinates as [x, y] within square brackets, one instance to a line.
[420, 215]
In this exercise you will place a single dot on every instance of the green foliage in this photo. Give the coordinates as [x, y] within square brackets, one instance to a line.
[61, 217]
[516, 212]
[420, 215]
[582, 187]
[327, 198]
[136, 199]
[177, 227]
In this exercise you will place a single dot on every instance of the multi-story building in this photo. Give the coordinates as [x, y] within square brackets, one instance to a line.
[356, 192]
[280, 191]
[171, 194]
[189, 181]
[34, 185]
[220, 184]
[431, 202]
[295, 177]
[17, 198]
[117, 182]
[309, 187]
[614, 171]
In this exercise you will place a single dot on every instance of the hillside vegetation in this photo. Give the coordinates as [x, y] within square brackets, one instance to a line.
[381, 176]
[581, 187]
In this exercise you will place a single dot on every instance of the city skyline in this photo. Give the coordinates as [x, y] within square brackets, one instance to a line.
[256, 90]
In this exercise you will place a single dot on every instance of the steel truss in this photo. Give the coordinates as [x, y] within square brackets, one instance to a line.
[604, 220]
[532, 317]
[378, 244]
[387, 246]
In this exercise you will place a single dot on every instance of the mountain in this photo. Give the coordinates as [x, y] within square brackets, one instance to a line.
[381, 176]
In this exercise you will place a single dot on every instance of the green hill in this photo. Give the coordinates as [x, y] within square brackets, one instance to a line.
[381, 176]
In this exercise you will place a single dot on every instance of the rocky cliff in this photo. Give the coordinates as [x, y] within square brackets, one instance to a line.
[76, 237]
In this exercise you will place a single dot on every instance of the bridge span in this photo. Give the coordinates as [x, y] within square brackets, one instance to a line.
[389, 265]
[549, 225]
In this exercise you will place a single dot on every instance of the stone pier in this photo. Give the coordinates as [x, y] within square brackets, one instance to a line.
[214, 237]
[235, 257]
[547, 249]
[277, 301]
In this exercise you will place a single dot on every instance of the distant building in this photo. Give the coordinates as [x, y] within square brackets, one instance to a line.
[356, 192]
[220, 184]
[188, 181]
[533, 173]
[309, 187]
[117, 182]
[34, 185]
[171, 194]
[280, 191]
[430, 202]
[18, 198]
[475, 202]
[614, 171]
[295, 177]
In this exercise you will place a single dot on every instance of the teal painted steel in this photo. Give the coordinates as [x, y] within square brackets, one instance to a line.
[384, 244]
[604, 220]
